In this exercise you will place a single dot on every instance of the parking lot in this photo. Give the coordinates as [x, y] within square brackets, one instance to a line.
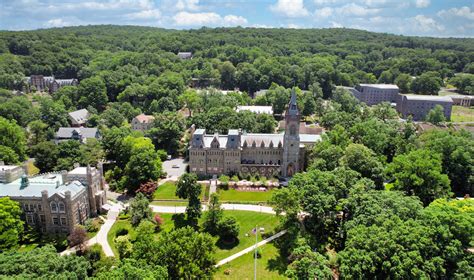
[175, 167]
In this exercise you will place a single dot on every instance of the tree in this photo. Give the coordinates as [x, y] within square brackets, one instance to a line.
[13, 137]
[133, 269]
[188, 188]
[143, 162]
[227, 71]
[363, 160]
[46, 156]
[191, 100]
[187, 253]
[166, 131]
[426, 83]
[92, 92]
[213, 215]
[78, 237]
[436, 115]
[419, 173]
[384, 111]
[43, 262]
[53, 113]
[309, 102]
[140, 209]
[403, 82]
[464, 82]
[228, 228]
[8, 156]
[38, 131]
[457, 154]
[306, 264]
[124, 246]
[11, 225]
[148, 189]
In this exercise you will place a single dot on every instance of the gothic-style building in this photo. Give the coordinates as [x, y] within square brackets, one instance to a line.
[243, 153]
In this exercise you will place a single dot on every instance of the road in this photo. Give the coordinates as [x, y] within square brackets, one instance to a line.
[180, 167]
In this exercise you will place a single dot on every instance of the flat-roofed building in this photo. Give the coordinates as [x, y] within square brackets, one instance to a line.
[373, 94]
[256, 109]
[418, 106]
[54, 202]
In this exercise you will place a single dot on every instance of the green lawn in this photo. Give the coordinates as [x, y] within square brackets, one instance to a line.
[244, 196]
[462, 114]
[169, 203]
[269, 266]
[246, 219]
[167, 191]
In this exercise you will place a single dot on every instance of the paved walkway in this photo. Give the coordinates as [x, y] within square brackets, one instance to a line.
[101, 236]
[241, 207]
[250, 249]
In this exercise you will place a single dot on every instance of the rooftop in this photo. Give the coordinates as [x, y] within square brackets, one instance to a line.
[85, 132]
[145, 118]
[427, 97]
[380, 86]
[256, 109]
[50, 182]
[79, 116]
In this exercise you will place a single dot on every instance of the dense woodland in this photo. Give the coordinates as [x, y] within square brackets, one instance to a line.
[377, 197]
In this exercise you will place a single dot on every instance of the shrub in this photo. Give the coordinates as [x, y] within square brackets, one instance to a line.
[121, 231]
[124, 246]
[77, 237]
[224, 180]
[92, 225]
[228, 228]
[158, 221]
[148, 188]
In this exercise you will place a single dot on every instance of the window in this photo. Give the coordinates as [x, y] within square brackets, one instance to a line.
[29, 219]
[40, 207]
[55, 220]
[42, 218]
[63, 221]
[61, 207]
[31, 207]
[54, 207]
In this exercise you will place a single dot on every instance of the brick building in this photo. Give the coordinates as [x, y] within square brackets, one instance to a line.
[418, 106]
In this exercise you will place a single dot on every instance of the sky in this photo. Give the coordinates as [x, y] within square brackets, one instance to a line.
[448, 18]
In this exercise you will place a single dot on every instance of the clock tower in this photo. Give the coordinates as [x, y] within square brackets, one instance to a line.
[291, 138]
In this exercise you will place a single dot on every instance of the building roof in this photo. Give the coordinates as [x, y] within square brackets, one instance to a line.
[185, 54]
[310, 138]
[380, 86]
[142, 118]
[427, 97]
[264, 138]
[79, 116]
[65, 82]
[256, 109]
[85, 132]
[51, 182]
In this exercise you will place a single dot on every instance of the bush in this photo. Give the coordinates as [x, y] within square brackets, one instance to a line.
[224, 180]
[148, 188]
[93, 225]
[121, 231]
[228, 228]
[158, 221]
[124, 246]
[77, 237]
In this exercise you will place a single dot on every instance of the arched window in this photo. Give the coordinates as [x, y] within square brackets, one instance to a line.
[62, 208]
[54, 207]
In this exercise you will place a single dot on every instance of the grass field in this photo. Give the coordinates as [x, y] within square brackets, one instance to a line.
[242, 196]
[269, 266]
[247, 221]
[167, 191]
[169, 203]
[462, 114]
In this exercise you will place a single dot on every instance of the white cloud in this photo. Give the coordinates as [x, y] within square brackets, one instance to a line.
[464, 12]
[191, 5]
[324, 12]
[356, 10]
[233, 20]
[57, 22]
[145, 14]
[326, 2]
[426, 24]
[293, 26]
[106, 5]
[290, 8]
[336, 24]
[422, 3]
[207, 19]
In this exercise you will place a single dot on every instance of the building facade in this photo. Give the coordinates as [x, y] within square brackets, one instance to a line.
[269, 155]
[43, 83]
[418, 106]
[55, 202]
[373, 94]
[80, 134]
[142, 122]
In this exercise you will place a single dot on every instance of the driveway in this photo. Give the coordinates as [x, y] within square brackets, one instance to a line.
[178, 169]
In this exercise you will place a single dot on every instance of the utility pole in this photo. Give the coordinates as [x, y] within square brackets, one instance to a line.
[255, 257]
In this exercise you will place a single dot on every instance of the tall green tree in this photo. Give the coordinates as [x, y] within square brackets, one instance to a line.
[419, 173]
[436, 115]
[11, 225]
[92, 92]
[188, 188]
[140, 209]
[13, 137]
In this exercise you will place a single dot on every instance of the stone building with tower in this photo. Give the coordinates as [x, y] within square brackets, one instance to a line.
[238, 152]
[55, 202]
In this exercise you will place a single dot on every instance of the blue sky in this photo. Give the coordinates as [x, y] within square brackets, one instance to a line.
[409, 17]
